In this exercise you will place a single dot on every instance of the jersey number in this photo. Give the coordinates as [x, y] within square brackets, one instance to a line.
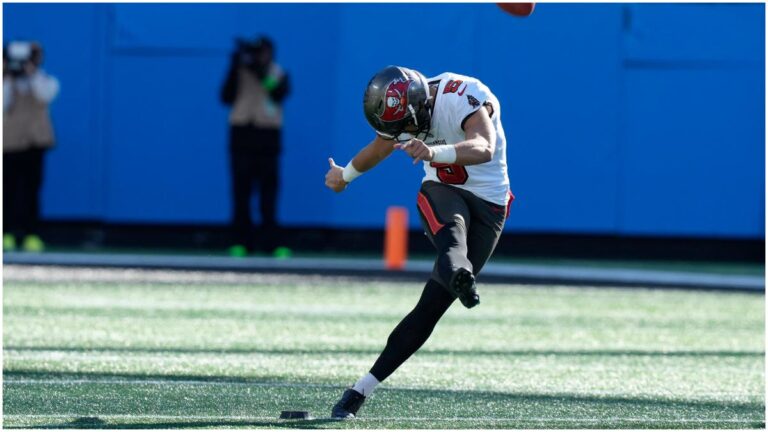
[452, 87]
[450, 174]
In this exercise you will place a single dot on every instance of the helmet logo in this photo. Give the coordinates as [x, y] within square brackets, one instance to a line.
[396, 99]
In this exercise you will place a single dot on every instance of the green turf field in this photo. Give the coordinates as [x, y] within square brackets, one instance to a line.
[147, 349]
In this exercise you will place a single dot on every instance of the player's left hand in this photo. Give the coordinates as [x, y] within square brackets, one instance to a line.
[417, 150]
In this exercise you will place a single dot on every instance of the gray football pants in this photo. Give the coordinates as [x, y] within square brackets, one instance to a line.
[463, 228]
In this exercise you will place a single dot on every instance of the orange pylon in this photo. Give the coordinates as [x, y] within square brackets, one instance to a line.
[396, 238]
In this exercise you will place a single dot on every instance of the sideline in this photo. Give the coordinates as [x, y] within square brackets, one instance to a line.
[414, 269]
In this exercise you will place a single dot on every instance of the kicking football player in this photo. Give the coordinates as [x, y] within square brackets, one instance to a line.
[452, 123]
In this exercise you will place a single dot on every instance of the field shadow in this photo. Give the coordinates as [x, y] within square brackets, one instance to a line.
[98, 423]
[453, 352]
[421, 403]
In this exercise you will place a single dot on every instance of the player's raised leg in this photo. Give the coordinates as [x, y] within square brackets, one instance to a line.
[484, 233]
[446, 218]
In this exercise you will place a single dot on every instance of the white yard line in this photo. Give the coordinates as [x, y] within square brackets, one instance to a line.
[414, 419]
[173, 382]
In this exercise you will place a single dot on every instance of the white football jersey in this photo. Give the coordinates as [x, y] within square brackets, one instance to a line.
[458, 97]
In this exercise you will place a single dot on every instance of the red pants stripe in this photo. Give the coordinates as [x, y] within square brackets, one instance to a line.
[428, 213]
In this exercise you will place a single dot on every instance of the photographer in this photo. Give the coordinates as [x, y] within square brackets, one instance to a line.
[255, 88]
[27, 135]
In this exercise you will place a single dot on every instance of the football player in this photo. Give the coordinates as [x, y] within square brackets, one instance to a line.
[452, 123]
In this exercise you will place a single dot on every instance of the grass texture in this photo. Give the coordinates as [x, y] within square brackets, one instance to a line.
[88, 348]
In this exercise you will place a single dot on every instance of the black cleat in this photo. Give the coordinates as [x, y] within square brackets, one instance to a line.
[463, 285]
[346, 408]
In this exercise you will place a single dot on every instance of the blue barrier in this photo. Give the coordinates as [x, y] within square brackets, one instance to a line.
[621, 118]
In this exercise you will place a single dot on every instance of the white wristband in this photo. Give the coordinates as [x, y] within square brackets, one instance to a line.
[350, 173]
[444, 153]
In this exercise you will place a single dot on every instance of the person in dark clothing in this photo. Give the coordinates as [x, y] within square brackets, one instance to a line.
[255, 88]
[27, 136]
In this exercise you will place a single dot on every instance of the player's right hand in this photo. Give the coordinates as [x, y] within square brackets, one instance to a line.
[416, 149]
[334, 178]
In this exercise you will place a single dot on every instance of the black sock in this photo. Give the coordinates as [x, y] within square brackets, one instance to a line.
[413, 330]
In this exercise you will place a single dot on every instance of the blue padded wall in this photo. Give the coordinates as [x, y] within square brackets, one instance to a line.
[622, 119]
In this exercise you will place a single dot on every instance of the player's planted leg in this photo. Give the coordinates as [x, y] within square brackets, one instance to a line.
[346, 408]
[411, 333]
[352, 399]
[407, 337]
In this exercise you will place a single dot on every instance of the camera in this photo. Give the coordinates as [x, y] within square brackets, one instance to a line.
[255, 54]
[18, 53]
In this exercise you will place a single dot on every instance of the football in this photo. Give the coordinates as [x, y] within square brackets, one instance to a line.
[518, 9]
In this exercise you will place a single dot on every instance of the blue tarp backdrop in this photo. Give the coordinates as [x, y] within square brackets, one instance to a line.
[622, 119]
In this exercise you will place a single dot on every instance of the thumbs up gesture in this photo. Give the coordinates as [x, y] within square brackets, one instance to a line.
[334, 178]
